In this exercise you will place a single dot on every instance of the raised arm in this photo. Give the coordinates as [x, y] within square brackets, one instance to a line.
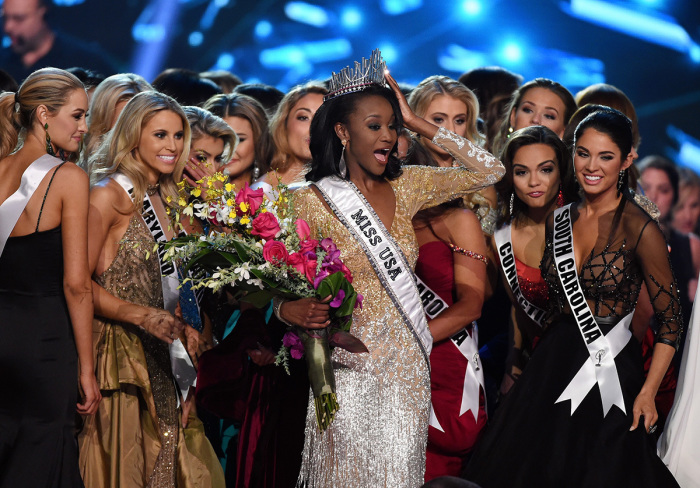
[73, 185]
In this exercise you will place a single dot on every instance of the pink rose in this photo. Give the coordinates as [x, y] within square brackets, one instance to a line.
[266, 226]
[304, 263]
[308, 245]
[275, 252]
[253, 198]
[303, 230]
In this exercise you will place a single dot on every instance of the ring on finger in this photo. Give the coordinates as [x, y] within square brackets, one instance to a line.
[652, 429]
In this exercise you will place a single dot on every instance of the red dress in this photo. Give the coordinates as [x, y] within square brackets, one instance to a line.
[447, 449]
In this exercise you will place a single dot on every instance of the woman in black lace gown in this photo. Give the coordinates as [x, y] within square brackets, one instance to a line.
[45, 293]
[543, 435]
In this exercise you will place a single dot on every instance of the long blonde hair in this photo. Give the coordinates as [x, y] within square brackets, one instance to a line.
[204, 123]
[108, 94]
[116, 153]
[50, 87]
[278, 123]
[433, 86]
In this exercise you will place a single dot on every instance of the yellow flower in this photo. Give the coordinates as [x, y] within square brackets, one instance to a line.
[230, 202]
[182, 202]
[169, 199]
[229, 187]
[263, 210]
[196, 192]
[245, 220]
[220, 177]
[244, 207]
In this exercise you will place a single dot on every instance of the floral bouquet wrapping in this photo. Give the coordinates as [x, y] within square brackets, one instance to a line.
[252, 245]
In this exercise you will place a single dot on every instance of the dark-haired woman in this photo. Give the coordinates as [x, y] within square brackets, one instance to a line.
[538, 179]
[580, 414]
[363, 199]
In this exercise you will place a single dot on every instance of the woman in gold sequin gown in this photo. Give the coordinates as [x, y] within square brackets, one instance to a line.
[137, 438]
[379, 435]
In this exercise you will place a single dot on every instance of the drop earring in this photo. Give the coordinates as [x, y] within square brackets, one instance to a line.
[621, 181]
[49, 147]
[560, 198]
[512, 204]
[256, 171]
[342, 167]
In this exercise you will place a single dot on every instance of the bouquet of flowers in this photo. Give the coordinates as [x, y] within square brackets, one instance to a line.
[252, 244]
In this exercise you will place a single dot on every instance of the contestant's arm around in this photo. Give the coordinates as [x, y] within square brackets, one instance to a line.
[71, 183]
[108, 219]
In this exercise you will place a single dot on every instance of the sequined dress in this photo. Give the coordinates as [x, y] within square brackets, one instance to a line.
[534, 441]
[135, 438]
[378, 437]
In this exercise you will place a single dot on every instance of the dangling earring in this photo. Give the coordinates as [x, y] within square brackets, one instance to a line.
[510, 132]
[256, 171]
[49, 147]
[621, 181]
[560, 198]
[512, 203]
[342, 167]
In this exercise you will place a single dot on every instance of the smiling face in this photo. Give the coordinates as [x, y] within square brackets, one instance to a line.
[536, 175]
[67, 125]
[371, 135]
[298, 124]
[658, 188]
[598, 162]
[208, 150]
[540, 106]
[161, 144]
[450, 113]
[244, 155]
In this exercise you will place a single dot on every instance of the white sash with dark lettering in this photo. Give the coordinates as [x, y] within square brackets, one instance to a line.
[600, 366]
[386, 257]
[12, 208]
[467, 345]
[183, 369]
[504, 244]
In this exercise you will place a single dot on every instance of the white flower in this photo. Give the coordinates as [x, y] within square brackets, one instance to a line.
[243, 271]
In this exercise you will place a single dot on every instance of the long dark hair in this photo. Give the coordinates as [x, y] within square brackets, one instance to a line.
[527, 136]
[325, 145]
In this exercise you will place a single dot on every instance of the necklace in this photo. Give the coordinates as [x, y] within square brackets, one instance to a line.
[152, 189]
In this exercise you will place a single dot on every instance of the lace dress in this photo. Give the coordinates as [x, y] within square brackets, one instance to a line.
[534, 441]
[135, 438]
[378, 437]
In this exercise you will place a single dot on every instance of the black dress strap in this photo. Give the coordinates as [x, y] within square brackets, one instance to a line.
[47, 192]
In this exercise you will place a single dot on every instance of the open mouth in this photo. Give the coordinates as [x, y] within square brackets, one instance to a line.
[381, 155]
[592, 178]
[167, 159]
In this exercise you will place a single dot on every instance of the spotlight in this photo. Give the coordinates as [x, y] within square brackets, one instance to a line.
[512, 52]
[389, 53]
[351, 18]
[195, 39]
[398, 7]
[225, 61]
[263, 29]
[306, 13]
[694, 52]
[472, 7]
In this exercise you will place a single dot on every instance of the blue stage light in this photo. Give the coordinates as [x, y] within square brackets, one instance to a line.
[306, 13]
[694, 53]
[148, 33]
[389, 53]
[6, 41]
[67, 3]
[225, 61]
[263, 29]
[397, 7]
[195, 39]
[291, 55]
[512, 52]
[351, 18]
[458, 59]
[472, 7]
[221, 3]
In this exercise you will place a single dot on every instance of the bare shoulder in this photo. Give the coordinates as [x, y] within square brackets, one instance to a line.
[107, 195]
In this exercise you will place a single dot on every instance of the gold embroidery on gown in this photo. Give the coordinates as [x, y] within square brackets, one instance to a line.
[379, 435]
[134, 439]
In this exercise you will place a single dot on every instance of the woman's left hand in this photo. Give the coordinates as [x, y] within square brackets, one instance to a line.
[644, 405]
[91, 392]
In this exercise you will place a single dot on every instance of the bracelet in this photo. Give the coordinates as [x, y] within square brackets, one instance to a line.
[276, 306]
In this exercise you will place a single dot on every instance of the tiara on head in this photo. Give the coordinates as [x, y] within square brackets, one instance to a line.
[368, 72]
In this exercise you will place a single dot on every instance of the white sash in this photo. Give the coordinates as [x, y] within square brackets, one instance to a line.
[383, 253]
[12, 208]
[183, 369]
[468, 345]
[504, 244]
[600, 366]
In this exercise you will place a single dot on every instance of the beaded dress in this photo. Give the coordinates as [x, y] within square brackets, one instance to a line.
[378, 437]
[135, 438]
[534, 441]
